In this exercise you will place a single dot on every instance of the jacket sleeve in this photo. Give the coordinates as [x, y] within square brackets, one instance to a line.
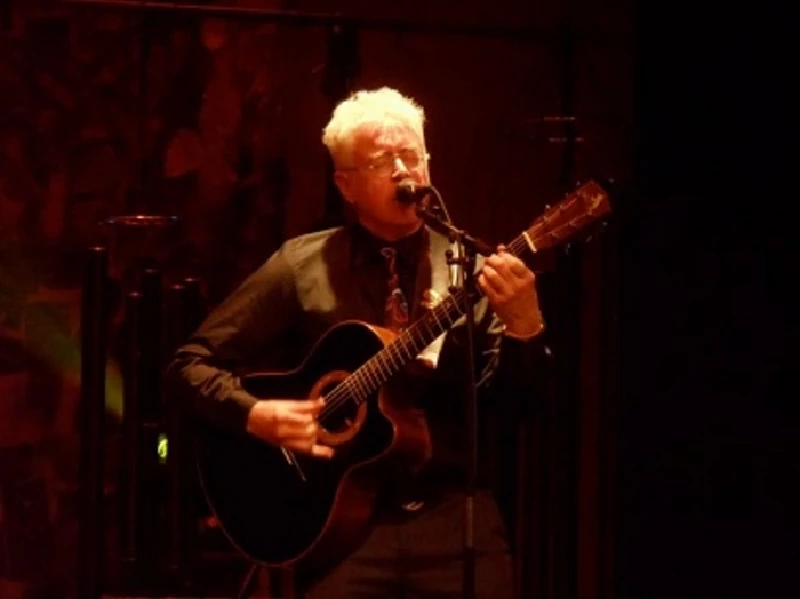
[513, 370]
[510, 372]
[255, 314]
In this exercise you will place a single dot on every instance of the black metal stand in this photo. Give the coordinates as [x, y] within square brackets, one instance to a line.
[441, 223]
[94, 340]
[260, 578]
[140, 473]
[249, 583]
[466, 259]
[130, 464]
[467, 247]
[185, 311]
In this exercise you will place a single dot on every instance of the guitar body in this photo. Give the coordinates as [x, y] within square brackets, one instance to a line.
[289, 509]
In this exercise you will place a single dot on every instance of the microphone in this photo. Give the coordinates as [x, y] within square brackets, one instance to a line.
[408, 192]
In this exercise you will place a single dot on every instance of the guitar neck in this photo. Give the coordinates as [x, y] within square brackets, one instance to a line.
[369, 377]
[555, 226]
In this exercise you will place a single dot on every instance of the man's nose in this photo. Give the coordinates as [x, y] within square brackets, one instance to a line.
[400, 170]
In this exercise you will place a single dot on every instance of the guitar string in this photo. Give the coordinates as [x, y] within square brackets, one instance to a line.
[346, 391]
[380, 368]
[377, 367]
[351, 387]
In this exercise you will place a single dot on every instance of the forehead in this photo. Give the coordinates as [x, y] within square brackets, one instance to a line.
[391, 135]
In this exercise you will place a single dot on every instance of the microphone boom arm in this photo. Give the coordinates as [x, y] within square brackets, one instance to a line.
[437, 223]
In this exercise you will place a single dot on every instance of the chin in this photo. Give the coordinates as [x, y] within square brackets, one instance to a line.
[410, 221]
[408, 215]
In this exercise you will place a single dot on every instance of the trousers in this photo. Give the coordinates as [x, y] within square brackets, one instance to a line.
[416, 552]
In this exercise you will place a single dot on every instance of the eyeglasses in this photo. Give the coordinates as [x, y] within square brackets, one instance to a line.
[383, 164]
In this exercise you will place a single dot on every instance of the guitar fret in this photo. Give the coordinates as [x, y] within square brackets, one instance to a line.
[363, 389]
[450, 319]
[454, 306]
[399, 352]
[434, 329]
[419, 341]
[390, 356]
[375, 373]
[409, 343]
[403, 346]
[433, 312]
[387, 365]
[397, 358]
[365, 384]
[379, 369]
[352, 388]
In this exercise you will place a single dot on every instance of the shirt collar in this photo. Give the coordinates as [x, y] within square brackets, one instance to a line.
[366, 247]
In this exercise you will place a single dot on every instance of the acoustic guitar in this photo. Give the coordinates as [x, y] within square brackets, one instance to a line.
[284, 509]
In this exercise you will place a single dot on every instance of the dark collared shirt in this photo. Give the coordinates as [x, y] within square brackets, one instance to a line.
[318, 280]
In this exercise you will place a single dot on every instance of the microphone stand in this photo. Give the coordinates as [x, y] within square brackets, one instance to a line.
[468, 247]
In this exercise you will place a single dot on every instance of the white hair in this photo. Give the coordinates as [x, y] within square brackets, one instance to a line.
[369, 108]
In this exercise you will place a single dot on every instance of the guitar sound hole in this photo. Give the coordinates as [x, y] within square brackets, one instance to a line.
[343, 417]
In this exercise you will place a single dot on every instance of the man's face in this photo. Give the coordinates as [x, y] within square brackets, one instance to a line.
[382, 156]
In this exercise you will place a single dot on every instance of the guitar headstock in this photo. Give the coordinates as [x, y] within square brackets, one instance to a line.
[563, 222]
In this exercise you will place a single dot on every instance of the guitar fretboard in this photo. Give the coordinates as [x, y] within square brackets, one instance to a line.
[369, 377]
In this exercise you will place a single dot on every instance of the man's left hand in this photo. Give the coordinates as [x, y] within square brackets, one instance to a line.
[510, 287]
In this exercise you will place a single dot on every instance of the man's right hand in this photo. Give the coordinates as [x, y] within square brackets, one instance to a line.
[289, 423]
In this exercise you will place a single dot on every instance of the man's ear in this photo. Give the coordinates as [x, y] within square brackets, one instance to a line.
[344, 183]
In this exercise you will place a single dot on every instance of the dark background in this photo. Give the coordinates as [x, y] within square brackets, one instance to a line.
[664, 466]
[710, 424]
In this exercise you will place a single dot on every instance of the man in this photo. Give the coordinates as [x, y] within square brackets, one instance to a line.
[312, 282]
